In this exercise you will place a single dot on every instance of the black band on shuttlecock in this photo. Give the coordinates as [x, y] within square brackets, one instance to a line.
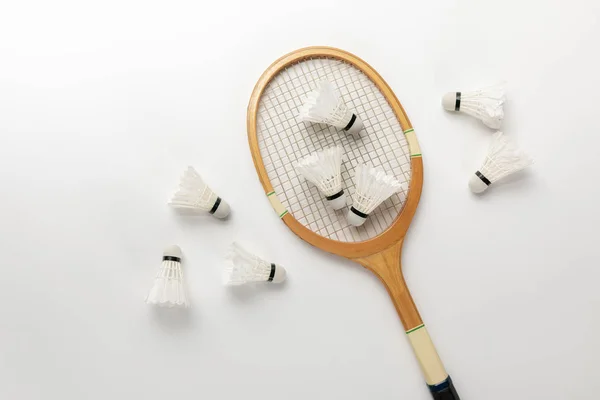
[483, 178]
[212, 210]
[360, 214]
[352, 120]
[171, 258]
[335, 196]
[272, 274]
[457, 104]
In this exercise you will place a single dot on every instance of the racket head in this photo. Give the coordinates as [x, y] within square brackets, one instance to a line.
[282, 88]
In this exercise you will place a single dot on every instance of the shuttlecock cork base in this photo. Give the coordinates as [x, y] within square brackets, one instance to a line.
[277, 274]
[479, 183]
[354, 125]
[220, 209]
[337, 201]
[451, 101]
[355, 217]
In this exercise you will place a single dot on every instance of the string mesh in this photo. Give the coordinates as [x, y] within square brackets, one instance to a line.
[284, 139]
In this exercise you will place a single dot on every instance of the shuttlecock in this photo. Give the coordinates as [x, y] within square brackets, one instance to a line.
[503, 158]
[243, 267]
[324, 106]
[373, 187]
[324, 170]
[168, 289]
[195, 195]
[484, 104]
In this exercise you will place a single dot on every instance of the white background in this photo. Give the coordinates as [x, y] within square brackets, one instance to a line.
[102, 105]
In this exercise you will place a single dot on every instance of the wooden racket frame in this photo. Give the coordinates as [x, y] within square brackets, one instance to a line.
[381, 254]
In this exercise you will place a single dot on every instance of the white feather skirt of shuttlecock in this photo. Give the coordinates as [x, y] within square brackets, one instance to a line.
[486, 104]
[373, 187]
[503, 158]
[324, 106]
[168, 289]
[194, 195]
[324, 170]
[243, 267]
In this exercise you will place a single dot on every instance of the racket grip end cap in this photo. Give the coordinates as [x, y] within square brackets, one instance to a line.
[444, 390]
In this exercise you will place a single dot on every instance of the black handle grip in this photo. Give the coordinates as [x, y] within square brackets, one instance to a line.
[444, 391]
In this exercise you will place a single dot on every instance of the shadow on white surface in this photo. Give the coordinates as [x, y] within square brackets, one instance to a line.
[246, 293]
[198, 216]
[173, 318]
[464, 122]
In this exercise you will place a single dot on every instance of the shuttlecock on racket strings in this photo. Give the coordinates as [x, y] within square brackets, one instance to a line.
[169, 290]
[373, 187]
[195, 195]
[503, 158]
[324, 170]
[485, 104]
[324, 106]
[243, 267]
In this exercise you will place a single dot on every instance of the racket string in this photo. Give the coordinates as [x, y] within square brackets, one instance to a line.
[283, 140]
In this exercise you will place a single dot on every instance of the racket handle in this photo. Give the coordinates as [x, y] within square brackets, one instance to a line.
[386, 265]
[444, 391]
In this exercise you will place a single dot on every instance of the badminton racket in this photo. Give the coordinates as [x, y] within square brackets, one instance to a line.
[278, 139]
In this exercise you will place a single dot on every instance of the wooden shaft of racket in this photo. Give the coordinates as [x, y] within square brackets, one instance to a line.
[386, 265]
